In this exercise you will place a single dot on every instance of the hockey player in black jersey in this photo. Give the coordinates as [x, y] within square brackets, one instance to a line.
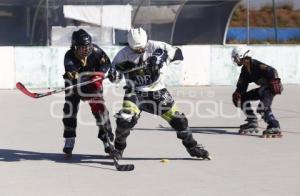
[140, 64]
[85, 61]
[266, 77]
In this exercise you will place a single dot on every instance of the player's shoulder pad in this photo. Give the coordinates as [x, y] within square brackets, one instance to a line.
[69, 54]
[69, 57]
[178, 56]
[263, 66]
[96, 48]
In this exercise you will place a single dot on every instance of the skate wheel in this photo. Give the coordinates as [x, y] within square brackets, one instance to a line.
[279, 136]
[241, 132]
[256, 131]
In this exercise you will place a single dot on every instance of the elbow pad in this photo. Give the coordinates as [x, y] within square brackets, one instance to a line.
[178, 55]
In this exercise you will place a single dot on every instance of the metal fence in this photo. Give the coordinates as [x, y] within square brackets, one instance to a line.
[179, 22]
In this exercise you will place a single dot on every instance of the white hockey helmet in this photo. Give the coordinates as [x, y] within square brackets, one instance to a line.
[137, 38]
[238, 53]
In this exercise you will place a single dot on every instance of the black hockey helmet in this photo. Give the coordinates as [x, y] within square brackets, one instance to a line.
[82, 43]
[81, 38]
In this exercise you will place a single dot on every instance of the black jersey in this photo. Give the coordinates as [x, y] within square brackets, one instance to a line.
[97, 61]
[259, 73]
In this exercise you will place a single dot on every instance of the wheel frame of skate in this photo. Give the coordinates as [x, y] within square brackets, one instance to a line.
[246, 131]
[271, 135]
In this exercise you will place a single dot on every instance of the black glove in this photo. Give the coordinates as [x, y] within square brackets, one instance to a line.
[71, 75]
[157, 60]
[114, 76]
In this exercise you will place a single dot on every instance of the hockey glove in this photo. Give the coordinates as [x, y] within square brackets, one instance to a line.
[114, 76]
[71, 75]
[158, 59]
[276, 86]
[99, 76]
[236, 99]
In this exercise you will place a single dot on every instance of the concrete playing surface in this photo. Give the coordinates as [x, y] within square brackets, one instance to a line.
[32, 164]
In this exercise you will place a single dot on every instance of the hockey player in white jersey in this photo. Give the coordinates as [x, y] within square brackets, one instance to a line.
[140, 64]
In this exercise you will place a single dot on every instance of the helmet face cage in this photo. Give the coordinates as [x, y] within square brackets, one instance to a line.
[82, 43]
[238, 54]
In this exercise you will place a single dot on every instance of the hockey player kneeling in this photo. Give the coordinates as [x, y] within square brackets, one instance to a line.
[83, 62]
[140, 64]
[270, 85]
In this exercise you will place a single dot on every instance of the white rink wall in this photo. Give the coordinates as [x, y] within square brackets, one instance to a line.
[42, 67]
[7, 73]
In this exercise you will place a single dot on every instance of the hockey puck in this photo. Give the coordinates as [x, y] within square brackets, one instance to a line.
[164, 161]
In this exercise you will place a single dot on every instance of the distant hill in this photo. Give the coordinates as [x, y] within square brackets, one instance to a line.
[286, 17]
[257, 4]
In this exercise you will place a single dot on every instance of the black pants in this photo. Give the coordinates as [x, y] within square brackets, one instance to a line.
[266, 97]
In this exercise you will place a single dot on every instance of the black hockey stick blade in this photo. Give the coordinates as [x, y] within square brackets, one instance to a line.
[125, 167]
[119, 167]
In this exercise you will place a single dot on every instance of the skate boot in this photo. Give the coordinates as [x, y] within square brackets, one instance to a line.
[199, 152]
[272, 132]
[68, 148]
[249, 127]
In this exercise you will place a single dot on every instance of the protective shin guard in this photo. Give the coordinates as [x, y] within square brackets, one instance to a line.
[121, 136]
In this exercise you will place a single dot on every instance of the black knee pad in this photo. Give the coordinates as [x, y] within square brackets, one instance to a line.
[120, 145]
[70, 122]
[69, 132]
[125, 124]
[179, 122]
[126, 119]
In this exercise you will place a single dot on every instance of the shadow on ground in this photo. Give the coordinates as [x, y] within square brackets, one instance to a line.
[201, 130]
[9, 155]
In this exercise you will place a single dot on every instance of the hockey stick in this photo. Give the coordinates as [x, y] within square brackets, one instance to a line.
[220, 127]
[143, 66]
[35, 95]
[212, 127]
[125, 167]
[133, 69]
